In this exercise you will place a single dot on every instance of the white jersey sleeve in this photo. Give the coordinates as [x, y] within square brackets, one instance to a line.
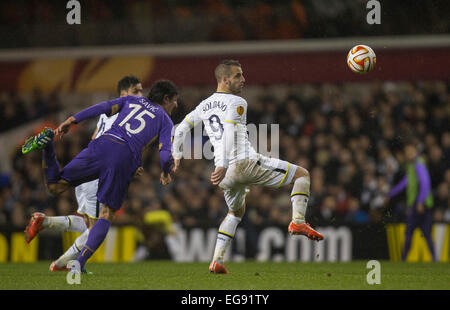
[189, 122]
[193, 118]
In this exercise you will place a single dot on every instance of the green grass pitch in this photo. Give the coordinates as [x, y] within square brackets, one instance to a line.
[168, 275]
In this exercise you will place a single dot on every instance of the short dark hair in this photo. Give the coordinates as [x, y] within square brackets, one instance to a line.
[161, 88]
[224, 68]
[410, 141]
[126, 82]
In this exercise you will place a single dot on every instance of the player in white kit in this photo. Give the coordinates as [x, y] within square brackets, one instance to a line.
[86, 193]
[238, 165]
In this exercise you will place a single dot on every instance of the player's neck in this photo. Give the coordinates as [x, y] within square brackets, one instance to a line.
[167, 109]
[223, 90]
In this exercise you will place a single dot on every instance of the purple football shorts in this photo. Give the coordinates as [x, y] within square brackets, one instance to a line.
[111, 161]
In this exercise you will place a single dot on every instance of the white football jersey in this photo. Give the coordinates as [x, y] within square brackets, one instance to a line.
[224, 114]
[104, 123]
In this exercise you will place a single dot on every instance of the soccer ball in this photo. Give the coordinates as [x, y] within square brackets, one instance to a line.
[361, 59]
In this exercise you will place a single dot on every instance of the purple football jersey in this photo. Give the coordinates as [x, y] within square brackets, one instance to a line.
[139, 123]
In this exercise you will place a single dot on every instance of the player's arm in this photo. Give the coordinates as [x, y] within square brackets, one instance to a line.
[100, 124]
[236, 116]
[424, 185]
[165, 151]
[109, 108]
[397, 189]
[223, 156]
[94, 134]
[189, 122]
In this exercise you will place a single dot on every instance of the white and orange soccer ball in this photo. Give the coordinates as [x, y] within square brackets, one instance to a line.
[361, 59]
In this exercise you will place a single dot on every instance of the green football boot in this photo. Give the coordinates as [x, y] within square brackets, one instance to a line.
[84, 271]
[38, 142]
[74, 268]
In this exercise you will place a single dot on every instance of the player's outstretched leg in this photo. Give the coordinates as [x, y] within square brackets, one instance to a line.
[40, 221]
[299, 197]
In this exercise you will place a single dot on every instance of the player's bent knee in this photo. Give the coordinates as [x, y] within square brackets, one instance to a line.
[238, 213]
[52, 188]
[107, 213]
[91, 222]
[86, 220]
[58, 188]
[301, 172]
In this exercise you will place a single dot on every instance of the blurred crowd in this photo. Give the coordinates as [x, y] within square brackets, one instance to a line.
[16, 111]
[43, 22]
[349, 137]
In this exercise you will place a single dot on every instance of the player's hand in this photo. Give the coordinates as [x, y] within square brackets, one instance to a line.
[420, 208]
[139, 171]
[165, 178]
[176, 164]
[218, 175]
[386, 201]
[64, 127]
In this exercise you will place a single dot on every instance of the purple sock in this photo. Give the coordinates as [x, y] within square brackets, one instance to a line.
[50, 164]
[95, 238]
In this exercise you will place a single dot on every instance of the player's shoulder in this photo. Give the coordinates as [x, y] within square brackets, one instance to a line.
[234, 99]
[135, 97]
[124, 99]
[227, 98]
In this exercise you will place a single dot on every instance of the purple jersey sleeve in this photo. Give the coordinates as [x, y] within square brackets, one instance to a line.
[424, 182]
[108, 107]
[398, 188]
[165, 145]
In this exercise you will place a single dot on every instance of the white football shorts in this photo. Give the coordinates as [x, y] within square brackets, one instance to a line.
[264, 171]
[86, 194]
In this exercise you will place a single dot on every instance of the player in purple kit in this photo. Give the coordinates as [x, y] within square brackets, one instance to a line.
[419, 197]
[114, 157]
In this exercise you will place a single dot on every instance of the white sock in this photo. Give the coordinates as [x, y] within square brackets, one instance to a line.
[224, 237]
[74, 250]
[299, 198]
[77, 224]
[65, 223]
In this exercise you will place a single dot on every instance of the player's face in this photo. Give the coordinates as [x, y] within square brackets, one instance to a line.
[236, 80]
[171, 104]
[135, 90]
[410, 153]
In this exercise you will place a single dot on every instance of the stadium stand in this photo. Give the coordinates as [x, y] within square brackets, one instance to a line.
[348, 135]
[39, 23]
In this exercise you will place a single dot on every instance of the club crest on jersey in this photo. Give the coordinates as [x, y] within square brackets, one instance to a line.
[240, 110]
[216, 104]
